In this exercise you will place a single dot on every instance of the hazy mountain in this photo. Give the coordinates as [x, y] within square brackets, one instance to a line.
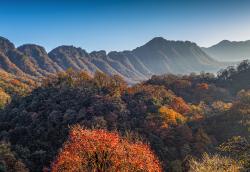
[161, 56]
[158, 56]
[229, 50]
[78, 59]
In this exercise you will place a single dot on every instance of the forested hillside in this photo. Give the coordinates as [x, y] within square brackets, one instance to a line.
[174, 119]
[12, 87]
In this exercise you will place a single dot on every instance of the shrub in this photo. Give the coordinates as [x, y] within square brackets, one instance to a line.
[238, 148]
[99, 151]
[214, 163]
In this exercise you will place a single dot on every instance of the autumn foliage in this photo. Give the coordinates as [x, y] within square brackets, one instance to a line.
[214, 163]
[100, 151]
[170, 116]
[202, 86]
[180, 105]
[4, 98]
[179, 116]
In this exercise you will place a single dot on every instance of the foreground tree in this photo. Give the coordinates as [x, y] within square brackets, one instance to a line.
[100, 151]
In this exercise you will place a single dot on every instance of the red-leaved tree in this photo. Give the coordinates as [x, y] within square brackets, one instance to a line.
[102, 151]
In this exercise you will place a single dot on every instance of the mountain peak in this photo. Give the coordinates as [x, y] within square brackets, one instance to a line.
[157, 40]
[32, 49]
[235, 42]
[67, 47]
[5, 45]
[158, 56]
[100, 53]
[31, 46]
[230, 50]
[225, 42]
[69, 50]
[160, 43]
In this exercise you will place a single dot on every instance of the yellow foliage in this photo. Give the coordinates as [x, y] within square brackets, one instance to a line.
[214, 163]
[221, 106]
[4, 98]
[16, 85]
[170, 116]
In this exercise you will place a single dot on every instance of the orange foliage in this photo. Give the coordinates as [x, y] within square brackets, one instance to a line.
[15, 82]
[221, 106]
[170, 116]
[202, 86]
[99, 151]
[179, 105]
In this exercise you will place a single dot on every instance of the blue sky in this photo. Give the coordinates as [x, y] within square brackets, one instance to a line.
[122, 25]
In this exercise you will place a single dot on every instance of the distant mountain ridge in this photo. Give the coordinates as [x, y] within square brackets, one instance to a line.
[230, 50]
[158, 56]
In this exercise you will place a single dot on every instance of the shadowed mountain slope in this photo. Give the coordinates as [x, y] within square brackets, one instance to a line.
[158, 56]
[230, 50]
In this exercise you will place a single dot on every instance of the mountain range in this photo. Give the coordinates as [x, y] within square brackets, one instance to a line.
[158, 56]
[229, 50]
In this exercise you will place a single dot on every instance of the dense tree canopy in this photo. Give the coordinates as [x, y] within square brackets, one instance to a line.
[8, 161]
[178, 116]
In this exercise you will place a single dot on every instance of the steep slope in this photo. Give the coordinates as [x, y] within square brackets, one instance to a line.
[110, 65]
[69, 57]
[5, 63]
[158, 56]
[125, 63]
[5, 45]
[39, 57]
[163, 56]
[8, 66]
[25, 63]
[15, 62]
[78, 59]
[230, 50]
